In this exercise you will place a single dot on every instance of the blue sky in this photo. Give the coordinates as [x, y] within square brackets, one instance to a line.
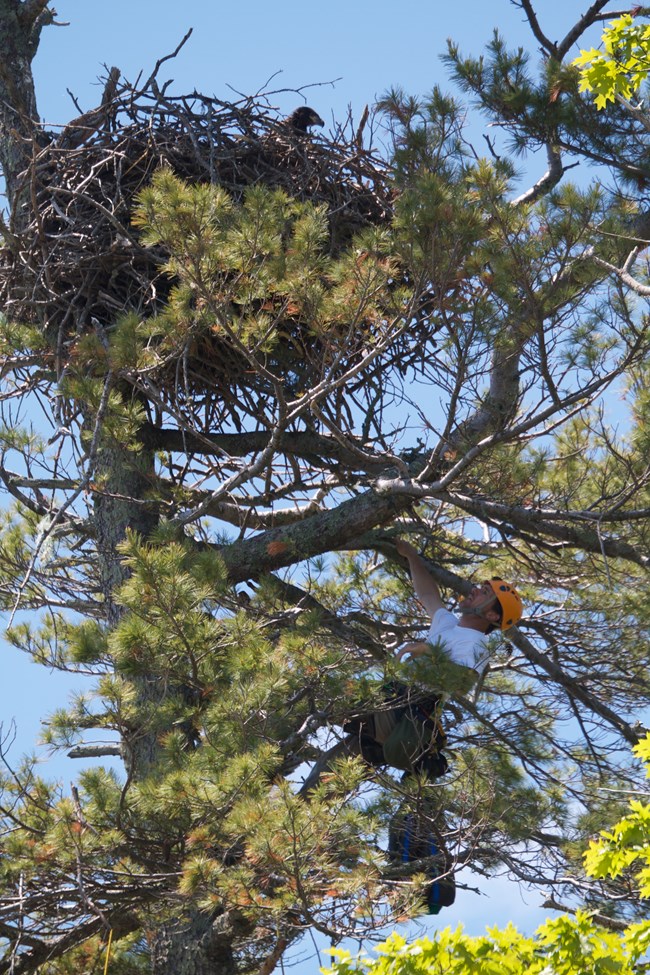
[352, 52]
[367, 46]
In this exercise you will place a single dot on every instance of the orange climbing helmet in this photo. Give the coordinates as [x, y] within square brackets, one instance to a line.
[509, 600]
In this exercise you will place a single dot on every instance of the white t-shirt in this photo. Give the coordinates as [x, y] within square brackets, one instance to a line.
[464, 645]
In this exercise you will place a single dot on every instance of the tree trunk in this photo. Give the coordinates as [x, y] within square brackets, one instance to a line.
[20, 28]
[124, 478]
[120, 506]
[201, 944]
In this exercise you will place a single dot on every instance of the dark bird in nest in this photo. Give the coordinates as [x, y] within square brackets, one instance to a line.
[301, 119]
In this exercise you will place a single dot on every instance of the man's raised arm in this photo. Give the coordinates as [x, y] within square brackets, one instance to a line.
[424, 585]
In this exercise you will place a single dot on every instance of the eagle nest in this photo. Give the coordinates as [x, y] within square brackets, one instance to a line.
[78, 249]
[73, 260]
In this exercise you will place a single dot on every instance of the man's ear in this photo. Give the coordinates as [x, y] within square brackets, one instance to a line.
[492, 615]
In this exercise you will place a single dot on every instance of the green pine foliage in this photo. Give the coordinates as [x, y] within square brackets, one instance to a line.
[219, 820]
[238, 270]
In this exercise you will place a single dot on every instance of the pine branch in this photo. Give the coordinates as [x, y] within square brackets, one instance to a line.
[570, 527]
[590, 17]
[95, 751]
[549, 46]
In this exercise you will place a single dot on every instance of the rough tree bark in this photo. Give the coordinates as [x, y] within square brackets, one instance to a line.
[21, 22]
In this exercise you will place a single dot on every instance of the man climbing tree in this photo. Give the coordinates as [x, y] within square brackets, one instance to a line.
[403, 730]
[488, 605]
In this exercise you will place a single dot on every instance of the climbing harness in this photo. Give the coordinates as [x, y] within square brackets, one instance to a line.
[404, 732]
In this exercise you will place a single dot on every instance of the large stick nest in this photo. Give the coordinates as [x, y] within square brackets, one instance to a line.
[74, 261]
[78, 255]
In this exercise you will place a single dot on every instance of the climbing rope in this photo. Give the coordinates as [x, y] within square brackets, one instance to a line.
[108, 950]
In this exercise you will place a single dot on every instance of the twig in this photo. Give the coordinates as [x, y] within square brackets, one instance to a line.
[168, 57]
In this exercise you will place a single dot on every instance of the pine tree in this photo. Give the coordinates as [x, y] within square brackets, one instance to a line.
[263, 366]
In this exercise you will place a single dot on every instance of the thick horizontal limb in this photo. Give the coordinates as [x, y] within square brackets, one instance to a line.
[94, 751]
[308, 445]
